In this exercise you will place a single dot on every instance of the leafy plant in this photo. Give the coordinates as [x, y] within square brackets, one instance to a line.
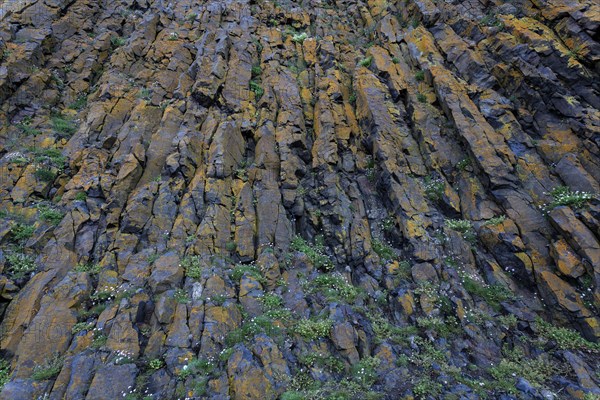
[44, 174]
[4, 372]
[565, 338]
[63, 126]
[21, 232]
[313, 329]
[563, 196]
[156, 363]
[434, 188]
[366, 62]
[315, 253]
[181, 296]
[257, 89]
[383, 250]
[49, 369]
[192, 266]
[50, 215]
[299, 38]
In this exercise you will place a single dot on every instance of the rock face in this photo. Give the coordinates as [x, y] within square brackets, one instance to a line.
[299, 199]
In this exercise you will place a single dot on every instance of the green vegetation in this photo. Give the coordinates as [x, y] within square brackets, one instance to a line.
[44, 174]
[49, 369]
[366, 62]
[463, 164]
[463, 226]
[257, 89]
[117, 41]
[25, 127]
[563, 196]
[313, 329]
[426, 388]
[93, 269]
[334, 287]
[299, 38]
[495, 221]
[256, 71]
[492, 294]
[315, 253]
[328, 362]
[515, 364]
[4, 372]
[79, 103]
[81, 327]
[80, 196]
[383, 250]
[420, 76]
[50, 155]
[251, 269]
[181, 296]
[192, 266]
[21, 232]
[50, 215]
[434, 188]
[156, 364]
[63, 126]
[565, 338]
[251, 328]
[421, 98]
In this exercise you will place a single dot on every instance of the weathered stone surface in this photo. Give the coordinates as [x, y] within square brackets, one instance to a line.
[364, 195]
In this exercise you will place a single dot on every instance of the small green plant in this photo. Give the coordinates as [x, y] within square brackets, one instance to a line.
[117, 41]
[365, 371]
[315, 253]
[4, 372]
[366, 62]
[63, 126]
[50, 155]
[421, 98]
[425, 388]
[230, 246]
[90, 268]
[173, 36]
[322, 360]
[251, 328]
[21, 232]
[156, 364]
[181, 296]
[492, 294]
[434, 188]
[44, 174]
[334, 287]
[384, 330]
[49, 369]
[257, 89]
[81, 196]
[563, 196]
[463, 226]
[25, 127]
[299, 38]
[395, 60]
[565, 338]
[251, 269]
[383, 250]
[99, 340]
[50, 215]
[256, 71]
[313, 329]
[495, 221]
[463, 164]
[420, 76]
[79, 103]
[191, 17]
[192, 266]
[81, 327]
